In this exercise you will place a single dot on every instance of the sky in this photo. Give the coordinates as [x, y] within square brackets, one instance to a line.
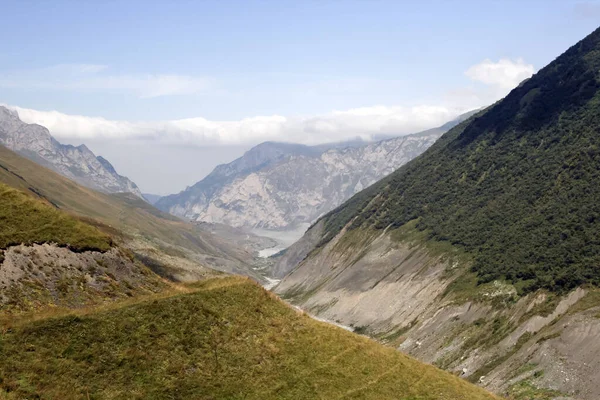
[168, 90]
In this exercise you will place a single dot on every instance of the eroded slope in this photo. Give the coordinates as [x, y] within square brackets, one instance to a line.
[49, 257]
[137, 224]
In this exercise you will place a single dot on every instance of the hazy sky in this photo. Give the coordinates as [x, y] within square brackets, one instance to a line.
[166, 90]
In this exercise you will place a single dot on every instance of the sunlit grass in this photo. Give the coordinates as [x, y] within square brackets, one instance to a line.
[224, 338]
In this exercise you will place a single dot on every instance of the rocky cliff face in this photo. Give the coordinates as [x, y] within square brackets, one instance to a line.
[75, 162]
[278, 186]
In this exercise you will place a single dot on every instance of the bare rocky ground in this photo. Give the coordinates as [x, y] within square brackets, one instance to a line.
[45, 275]
[409, 297]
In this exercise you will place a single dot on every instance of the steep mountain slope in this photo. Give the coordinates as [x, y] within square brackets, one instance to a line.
[227, 339]
[220, 338]
[77, 163]
[202, 193]
[279, 186]
[48, 257]
[516, 187]
[477, 255]
[177, 248]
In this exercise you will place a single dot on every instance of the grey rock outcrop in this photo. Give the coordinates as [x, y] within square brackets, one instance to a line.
[279, 186]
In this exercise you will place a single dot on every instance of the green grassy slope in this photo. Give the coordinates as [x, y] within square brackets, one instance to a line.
[24, 219]
[86, 268]
[122, 212]
[516, 186]
[228, 339]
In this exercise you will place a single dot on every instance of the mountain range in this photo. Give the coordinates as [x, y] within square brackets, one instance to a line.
[75, 162]
[482, 255]
[280, 186]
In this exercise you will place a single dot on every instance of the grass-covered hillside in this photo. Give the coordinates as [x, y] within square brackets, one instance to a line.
[27, 220]
[126, 213]
[516, 187]
[227, 339]
[50, 258]
[123, 215]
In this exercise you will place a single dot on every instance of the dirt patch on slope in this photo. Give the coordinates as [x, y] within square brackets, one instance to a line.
[41, 275]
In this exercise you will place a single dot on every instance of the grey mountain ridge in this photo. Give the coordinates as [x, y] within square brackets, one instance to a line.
[74, 162]
[279, 186]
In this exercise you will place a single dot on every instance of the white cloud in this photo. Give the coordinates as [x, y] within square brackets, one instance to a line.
[366, 122]
[505, 74]
[97, 78]
[335, 126]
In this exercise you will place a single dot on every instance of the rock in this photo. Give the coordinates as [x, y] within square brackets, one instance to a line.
[279, 186]
[75, 162]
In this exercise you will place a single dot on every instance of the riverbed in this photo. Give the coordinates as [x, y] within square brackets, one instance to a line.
[284, 239]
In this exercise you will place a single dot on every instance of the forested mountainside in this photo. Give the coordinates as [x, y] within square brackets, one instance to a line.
[82, 316]
[481, 255]
[515, 187]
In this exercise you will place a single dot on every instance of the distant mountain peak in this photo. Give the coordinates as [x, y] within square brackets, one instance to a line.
[83, 147]
[279, 185]
[106, 164]
[9, 112]
[75, 162]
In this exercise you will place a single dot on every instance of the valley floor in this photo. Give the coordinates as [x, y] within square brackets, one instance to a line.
[284, 239]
